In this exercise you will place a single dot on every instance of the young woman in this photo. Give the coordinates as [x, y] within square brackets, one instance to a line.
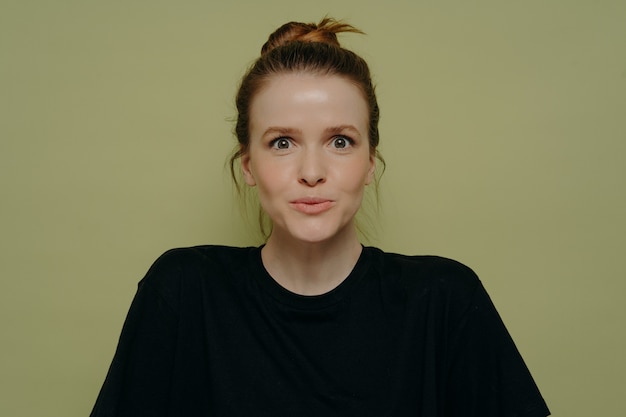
[312, 323]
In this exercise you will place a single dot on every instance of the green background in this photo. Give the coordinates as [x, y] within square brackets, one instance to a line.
[503, 126]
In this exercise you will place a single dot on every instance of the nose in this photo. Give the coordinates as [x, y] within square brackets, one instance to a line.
[312, 168]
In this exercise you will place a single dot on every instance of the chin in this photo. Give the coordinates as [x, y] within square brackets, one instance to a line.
[304, 236]
[314, 234]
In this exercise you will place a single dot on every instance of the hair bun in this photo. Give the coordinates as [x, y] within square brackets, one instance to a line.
[325, 32]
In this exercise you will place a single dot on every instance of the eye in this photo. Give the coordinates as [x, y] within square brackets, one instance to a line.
[280, 143]
[341, 142]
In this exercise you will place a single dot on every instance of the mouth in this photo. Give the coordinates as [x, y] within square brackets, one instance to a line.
[312, 205]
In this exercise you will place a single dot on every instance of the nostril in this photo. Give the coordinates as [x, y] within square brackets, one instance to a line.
[311, 181]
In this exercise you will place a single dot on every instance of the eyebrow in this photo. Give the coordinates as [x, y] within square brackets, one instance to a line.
[276, 130]
[273, 130]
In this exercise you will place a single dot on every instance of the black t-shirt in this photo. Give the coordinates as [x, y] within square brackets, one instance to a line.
[210, 333]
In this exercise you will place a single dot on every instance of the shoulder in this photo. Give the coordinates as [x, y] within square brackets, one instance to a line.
[429, 286]
[200, 256]
[425, 269]
[191, 267]
[441, 283]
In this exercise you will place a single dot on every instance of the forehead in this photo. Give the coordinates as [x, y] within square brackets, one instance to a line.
[301, 97]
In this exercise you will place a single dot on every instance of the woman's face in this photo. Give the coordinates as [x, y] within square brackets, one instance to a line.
[309, 155]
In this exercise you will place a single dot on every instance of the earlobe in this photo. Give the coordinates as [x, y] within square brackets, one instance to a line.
[371, 171]
[245, 169]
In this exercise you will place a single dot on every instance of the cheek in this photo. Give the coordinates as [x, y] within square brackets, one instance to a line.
[271, 177]
[364, 177]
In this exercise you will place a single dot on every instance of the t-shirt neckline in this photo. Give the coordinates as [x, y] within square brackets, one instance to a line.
[309, 302]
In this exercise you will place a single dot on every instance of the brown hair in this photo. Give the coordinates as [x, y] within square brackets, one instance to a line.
[311, 48]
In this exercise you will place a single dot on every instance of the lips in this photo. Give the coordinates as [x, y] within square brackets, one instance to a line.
[312, 205]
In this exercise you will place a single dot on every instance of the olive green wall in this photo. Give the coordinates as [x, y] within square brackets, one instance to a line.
[503, 126]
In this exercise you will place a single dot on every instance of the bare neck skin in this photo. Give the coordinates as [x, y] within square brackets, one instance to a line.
[311, 268]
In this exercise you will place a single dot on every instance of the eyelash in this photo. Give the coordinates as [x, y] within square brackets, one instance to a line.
[274, 142]
[349, 141]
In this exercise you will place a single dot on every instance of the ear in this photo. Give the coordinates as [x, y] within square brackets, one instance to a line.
[371, 170]
[245, 168]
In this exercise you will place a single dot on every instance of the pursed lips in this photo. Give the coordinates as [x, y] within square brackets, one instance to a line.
[312, 205]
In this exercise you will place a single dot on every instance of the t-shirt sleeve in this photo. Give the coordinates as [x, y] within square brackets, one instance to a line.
[487, 376]
[138, 380]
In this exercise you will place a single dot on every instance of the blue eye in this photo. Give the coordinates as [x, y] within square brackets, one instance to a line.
[341, 142]
[280, 143]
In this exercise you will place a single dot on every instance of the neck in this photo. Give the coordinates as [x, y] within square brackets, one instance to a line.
[311, 268]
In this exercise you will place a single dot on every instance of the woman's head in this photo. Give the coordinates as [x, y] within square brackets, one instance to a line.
[306, 48]
[307, 52]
